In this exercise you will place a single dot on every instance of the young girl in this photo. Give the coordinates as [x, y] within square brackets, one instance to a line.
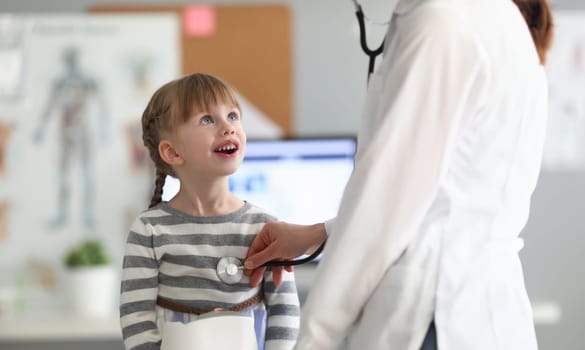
[192, 129]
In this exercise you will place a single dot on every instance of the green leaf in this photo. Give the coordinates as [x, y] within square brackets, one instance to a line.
[87, 253]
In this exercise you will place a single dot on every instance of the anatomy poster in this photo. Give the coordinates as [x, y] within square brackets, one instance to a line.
[72, 90]
[565, 144]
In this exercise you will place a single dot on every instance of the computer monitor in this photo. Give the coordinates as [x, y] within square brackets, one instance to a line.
[299, 180]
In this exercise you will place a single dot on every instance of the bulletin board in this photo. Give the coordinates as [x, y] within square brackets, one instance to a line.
[249, 46]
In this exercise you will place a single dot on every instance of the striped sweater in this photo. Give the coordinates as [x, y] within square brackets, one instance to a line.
[174, 255]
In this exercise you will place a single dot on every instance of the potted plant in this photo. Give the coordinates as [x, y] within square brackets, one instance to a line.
[92, 279]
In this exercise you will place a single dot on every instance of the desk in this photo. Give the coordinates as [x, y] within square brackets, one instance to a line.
[57, 327]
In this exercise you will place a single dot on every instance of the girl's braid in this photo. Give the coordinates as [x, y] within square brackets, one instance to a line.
[151, 138]
[159, 183]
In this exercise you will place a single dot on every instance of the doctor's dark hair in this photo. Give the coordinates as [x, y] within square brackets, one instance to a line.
[538, 16]
[171, 106]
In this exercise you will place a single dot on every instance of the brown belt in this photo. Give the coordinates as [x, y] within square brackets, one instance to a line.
[167, 304]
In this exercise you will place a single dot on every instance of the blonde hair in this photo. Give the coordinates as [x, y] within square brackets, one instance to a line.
[538, 16]
[171, 106]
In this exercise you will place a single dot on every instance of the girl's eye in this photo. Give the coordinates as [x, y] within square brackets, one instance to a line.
[206, 120]
[233, 116]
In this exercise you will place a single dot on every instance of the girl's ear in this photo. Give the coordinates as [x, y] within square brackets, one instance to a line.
[168, 153]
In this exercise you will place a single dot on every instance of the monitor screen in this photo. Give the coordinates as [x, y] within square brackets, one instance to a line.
[297, 180]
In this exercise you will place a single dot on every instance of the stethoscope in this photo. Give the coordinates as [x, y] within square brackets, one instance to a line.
[230, 270]
[372, 54]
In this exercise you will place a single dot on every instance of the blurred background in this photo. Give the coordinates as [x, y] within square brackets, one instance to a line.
[76, 76]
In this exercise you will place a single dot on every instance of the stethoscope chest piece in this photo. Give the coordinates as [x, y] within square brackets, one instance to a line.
[230, 270]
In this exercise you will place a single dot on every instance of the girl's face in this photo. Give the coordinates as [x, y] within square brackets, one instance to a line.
[213, 142]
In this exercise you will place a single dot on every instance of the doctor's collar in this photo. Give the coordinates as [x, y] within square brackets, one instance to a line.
[405, 6]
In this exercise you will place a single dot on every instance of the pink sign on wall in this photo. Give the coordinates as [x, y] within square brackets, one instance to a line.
[199, 20]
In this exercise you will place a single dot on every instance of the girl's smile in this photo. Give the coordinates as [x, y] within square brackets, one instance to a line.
[227, 149]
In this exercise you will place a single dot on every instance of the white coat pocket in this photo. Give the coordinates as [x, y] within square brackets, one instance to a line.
[399, 311]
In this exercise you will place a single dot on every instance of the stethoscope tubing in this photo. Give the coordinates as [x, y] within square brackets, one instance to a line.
[372, 54]
[297, 261]
[227, 265]
[230, 269]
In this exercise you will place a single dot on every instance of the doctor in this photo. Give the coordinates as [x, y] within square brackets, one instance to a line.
[424, 250]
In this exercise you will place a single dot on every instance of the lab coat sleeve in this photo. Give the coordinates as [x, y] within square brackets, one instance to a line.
[428, 74]
[329, 225]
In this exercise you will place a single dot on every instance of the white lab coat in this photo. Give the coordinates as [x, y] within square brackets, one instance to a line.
[449, 152]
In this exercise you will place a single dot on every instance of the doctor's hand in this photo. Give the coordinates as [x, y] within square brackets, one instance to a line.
[281, 241]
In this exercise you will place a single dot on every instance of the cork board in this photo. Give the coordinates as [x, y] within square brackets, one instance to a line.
[247, 45]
